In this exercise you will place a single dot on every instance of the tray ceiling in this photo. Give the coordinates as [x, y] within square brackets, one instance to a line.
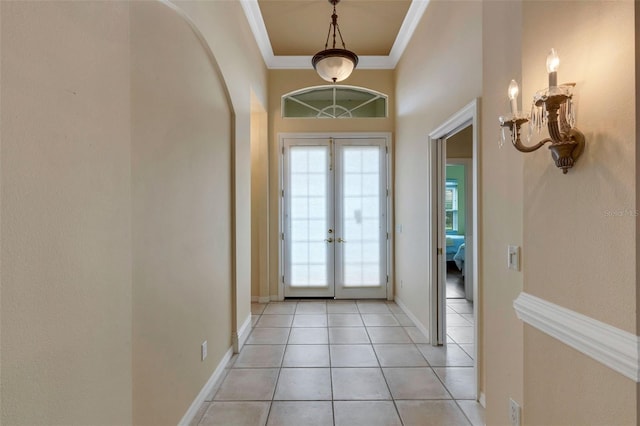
[290, 32]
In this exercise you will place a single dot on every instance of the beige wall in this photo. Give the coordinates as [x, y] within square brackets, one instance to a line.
[181, 173]
[225, 28]
[501, 220]
[68, 223]
[589, 261]
[66, 214]
[564, 387]
[598, 54]
[460, 145]
[1, 216]
[555, 384]
[259, 201]
[285, 81]
[439, 73]
[119, 196]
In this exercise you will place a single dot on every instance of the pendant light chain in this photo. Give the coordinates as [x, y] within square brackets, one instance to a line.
[334, 25]
[341, 39]
[326, 44]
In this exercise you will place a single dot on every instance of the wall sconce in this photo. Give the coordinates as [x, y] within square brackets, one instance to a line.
[552, 107]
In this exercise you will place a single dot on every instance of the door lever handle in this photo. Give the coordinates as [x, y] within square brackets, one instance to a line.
[340, 240]
[329, 240]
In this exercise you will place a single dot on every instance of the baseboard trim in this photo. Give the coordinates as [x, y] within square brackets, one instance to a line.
[611, 346]
[413, 318]
[206, 389]
[240, 337]
[258, 299]
[482, 400]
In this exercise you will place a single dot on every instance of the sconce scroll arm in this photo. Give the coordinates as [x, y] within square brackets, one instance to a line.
[523, 148]
[514, 126]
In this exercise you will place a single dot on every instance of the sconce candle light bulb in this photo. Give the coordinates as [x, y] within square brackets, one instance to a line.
[513, 96]
[553, 62]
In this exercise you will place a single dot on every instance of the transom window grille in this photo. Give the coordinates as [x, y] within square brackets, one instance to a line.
[334, 101]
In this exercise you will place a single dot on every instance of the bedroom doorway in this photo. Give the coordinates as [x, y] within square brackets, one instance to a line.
[454, 213]
[457, 212]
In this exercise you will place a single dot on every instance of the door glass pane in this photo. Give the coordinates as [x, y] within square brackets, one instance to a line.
[361, 263]
[308, 216]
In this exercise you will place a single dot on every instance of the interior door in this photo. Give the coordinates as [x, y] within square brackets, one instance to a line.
[335, 217]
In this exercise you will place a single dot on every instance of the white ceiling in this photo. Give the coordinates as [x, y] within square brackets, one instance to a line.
[379, 26]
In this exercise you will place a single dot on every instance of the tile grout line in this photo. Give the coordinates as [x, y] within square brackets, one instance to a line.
[463, 412]
[333, 407]
[412, 344]
[384, 377]
[275, 387]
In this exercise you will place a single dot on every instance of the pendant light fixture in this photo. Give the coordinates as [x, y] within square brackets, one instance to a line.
[333, 64]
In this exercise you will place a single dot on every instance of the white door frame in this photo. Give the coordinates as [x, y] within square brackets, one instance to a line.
[469, 115]
[389, 164]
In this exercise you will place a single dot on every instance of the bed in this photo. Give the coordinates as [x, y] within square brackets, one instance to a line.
[459, 258]
[453, 244]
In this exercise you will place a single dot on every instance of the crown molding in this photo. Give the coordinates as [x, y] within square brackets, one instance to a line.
[611, 346]
[408, 27]
[256, 23]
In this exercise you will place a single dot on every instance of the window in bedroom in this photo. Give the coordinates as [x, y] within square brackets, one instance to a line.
[334, 101]
[451, 205]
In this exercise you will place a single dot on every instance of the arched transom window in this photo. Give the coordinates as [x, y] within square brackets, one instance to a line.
[334, 101]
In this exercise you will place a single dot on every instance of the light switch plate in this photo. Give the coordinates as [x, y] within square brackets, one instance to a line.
[203, 351]
[514, 412]
[513, 257]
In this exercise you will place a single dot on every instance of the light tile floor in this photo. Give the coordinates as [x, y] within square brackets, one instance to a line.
[344, 363]
[460, 324]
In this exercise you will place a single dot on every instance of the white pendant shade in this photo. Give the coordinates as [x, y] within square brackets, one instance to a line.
[335, 68]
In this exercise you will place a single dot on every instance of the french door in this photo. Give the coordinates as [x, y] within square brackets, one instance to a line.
[335, 217]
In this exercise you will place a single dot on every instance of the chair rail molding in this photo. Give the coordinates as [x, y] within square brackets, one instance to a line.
[611, 346]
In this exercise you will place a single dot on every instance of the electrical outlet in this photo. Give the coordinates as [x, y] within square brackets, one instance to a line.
[514, 412]
[203, 350]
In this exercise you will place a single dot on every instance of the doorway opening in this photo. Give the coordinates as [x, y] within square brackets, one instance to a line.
[335, 216]
[458, 209]
[454, 216]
